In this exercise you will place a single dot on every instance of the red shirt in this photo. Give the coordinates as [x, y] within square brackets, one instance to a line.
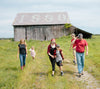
[73, 44]
[80, 45]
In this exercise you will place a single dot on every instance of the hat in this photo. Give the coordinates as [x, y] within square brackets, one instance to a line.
[53, 39]
[80, 35]
[57, 46]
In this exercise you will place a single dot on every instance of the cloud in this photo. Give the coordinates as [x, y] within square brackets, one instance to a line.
[84, 14]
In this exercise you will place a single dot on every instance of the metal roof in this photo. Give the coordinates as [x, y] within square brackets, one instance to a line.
[41, 18]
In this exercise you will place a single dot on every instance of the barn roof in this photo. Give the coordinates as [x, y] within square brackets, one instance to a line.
[41, 18]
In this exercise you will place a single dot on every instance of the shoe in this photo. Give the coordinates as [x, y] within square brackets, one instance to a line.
[62, 73]
[52, 74]
[79, 75]
[22, 68]
[82, 73]
[74, 62]
[23, 65]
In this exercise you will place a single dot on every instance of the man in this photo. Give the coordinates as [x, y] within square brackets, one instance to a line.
[80, 48]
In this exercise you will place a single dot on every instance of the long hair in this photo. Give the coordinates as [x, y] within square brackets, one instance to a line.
[22, 41]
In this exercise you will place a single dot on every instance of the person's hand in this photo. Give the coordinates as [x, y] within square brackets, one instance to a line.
[26, 55]
[52, 56]
[86, 53]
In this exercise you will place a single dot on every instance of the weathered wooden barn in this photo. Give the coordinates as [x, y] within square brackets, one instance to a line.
[42, 26]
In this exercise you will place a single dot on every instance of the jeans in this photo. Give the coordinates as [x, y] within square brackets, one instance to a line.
[22, 59]
[80, 61]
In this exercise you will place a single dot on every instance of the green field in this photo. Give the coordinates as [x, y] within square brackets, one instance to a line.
[37, 73]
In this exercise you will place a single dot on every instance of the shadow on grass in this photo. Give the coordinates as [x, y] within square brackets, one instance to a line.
[68, 72]
[40, 74]
[11, 68]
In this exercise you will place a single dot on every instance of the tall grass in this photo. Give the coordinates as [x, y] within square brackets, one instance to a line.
[37, 73]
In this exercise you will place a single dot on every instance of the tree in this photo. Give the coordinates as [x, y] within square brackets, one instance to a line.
[67, 26]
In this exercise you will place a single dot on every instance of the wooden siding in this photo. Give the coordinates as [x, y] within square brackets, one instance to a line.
[19, 33]
[39, 32]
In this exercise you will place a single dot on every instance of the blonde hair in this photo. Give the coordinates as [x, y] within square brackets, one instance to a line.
[73, 34]
[22, 41]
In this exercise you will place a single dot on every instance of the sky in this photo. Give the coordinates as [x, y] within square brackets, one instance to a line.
[84, 14]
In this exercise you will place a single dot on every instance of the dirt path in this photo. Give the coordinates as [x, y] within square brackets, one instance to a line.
[87, 79]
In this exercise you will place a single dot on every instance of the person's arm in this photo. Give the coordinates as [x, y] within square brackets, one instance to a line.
[26, 50]
[61, 52]
[73, 41]
[87, 50]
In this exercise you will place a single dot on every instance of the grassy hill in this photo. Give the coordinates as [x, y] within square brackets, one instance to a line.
[37, 73]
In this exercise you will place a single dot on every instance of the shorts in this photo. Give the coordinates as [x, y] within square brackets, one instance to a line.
[74, 52]
[59, 63]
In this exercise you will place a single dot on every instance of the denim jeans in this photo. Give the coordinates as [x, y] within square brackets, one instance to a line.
[80, 61]
[22, 59]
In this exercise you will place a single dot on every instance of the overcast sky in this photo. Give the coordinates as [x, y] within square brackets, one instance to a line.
[84, 14]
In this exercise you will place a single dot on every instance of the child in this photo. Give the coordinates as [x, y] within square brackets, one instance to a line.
[73, 47]
[59, 57]
[32, 52]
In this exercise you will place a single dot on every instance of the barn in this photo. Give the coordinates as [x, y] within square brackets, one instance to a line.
[42, 26]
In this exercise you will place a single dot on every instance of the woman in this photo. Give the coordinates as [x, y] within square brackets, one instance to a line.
[22, 53]
[80, 48]
[50, 52]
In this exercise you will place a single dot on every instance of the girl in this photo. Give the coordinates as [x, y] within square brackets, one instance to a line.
[22, 53]
[32, 52]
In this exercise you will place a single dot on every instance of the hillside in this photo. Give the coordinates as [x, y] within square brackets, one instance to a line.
[37, 73]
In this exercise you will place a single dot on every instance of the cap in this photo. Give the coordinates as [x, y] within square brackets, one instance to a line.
[80, 35]
[57, 46]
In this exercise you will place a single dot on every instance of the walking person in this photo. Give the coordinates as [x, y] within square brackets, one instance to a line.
[58, 54]
[32, 52]
[50, 52]
[73, 46]
[22, 53]
[80, 48]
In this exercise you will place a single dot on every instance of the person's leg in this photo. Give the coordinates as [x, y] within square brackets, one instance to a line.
[82, 58]
[79, 63]
[24, 60]
[74, 54]
[53, 64]
[21, 61]
[60, 68]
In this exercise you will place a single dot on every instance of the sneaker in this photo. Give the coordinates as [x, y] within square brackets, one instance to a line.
[62, 73]
[79, 75]
[82, 73]
[74, 62]
[52, 74]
